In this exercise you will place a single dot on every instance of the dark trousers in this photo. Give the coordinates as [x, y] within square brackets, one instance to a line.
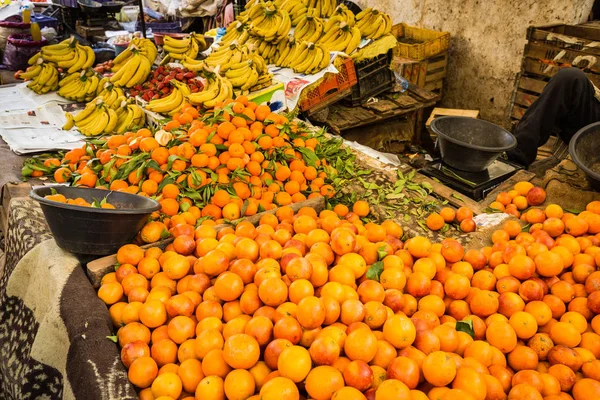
[566, 105]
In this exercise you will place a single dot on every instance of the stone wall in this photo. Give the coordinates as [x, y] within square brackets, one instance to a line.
[487, 42]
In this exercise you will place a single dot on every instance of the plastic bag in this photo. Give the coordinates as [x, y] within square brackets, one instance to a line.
[19, 49]
[11, 25]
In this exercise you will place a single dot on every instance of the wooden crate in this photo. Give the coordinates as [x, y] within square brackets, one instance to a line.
[428, 74]
[575, 37]
[527, 90]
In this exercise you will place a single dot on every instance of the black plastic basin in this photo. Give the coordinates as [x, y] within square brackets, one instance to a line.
[584, 149]
[94, 231]
[470, 144]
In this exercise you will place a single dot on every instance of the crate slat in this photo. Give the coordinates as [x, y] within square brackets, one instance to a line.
[518, 112]
[543, 51]
[524, 99]
[532, 84]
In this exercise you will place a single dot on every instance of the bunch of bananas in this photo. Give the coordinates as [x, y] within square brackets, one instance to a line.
[242, 75]
[285, 52]
[67, 54]
[96, 118]
[295, 8]
[174, 102]
[267, 51]
[224, 57]
[310, 58]
[341, 37]
[113, 96]
[217, 90]
[310, 27]
[268, 22]
[373, 24]
[133, 72]
[142, 46]
[43, 77]
[324, 7]
[79, 86]
[129, 117]
[179, 49]
[236, 31]
[341, 13]
[264, 81]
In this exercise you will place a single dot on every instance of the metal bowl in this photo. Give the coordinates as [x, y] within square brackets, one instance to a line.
[97, 231]
[584, 149]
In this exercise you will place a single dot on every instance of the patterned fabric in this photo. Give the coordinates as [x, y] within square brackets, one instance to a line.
[53, 327]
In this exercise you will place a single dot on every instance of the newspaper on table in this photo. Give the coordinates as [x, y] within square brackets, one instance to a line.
[31, 123]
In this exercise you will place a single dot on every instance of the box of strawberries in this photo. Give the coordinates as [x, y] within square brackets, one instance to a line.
[157, 85]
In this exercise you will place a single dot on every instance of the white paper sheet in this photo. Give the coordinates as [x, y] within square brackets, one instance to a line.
[33, 140]
[48, 115]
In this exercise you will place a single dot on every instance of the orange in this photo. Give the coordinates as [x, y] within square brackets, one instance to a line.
[279, 388]
[399, 331]
[241, 351]
[210, 387]
[167, 384]
[294, 363]
[323, 381]
[439, 368]
[142, 372]
[239, 385]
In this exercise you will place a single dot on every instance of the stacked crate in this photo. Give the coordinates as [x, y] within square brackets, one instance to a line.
[550, 48]
[421, 56]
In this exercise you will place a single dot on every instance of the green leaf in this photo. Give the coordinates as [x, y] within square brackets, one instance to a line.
[374, 271]
[113, 338]
[427, 186]
[381, 253]
[457, 197]
[185, 206]
[466, 326]
[526, 228]
[53, 191]
[445, 228]
[244, 208]
[164, 234]
[576, 212]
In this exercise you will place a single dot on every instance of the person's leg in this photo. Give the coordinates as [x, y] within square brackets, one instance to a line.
[566, 103]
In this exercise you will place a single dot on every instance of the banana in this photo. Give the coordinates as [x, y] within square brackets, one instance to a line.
[177, 43]
[250, 81]
[354, 41]
[141, 74]
[86, 112]
[94, 81]
[66, 61]
[34, 59]
[31, 72]
[123, 57]
[209, 92]
[97, 126]
[167, 104]
[225, 91]
[70, 122]
[91, 57]
[81, 60]
[113, 118]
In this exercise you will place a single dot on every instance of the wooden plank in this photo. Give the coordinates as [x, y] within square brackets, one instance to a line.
[435, 77]
[546, 52]
[98, 268]
[435, 85]
[532, 84]
[561, 36]
[518, 112]
[524, 99]
[437, 63]
[382, 106]
[452, 112]
[537, 68]
[403, 100]
[505, 186]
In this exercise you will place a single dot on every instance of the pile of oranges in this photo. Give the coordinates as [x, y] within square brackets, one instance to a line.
[463, 217]
[60, 198]
[234, 161]
[327, 307]
[522, 196]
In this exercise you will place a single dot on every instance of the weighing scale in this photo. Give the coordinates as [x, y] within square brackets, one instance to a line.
[476, 185]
